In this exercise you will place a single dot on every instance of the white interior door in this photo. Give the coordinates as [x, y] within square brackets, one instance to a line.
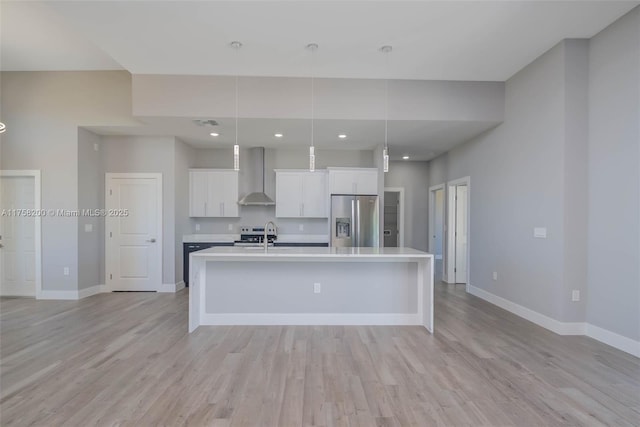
[134, 232]
[17, 242]
[461, 234]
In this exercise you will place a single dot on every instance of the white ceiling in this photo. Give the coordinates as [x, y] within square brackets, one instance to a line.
[422, 140]
[441, 40]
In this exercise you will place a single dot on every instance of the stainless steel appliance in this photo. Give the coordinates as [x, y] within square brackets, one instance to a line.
[254, 236]
[355, 221]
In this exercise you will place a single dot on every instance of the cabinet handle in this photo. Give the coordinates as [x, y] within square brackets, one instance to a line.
[300, 209]
[221, 208]
[205, 208]
[303, 209]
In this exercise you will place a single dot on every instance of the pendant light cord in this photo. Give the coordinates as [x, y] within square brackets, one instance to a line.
[236, 107]
[237, 48]
[386, 50]
[313, 49]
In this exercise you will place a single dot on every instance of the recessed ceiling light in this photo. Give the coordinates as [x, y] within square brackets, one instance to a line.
[342, 136]
[214, 134]
[278, 135]
[405, 157]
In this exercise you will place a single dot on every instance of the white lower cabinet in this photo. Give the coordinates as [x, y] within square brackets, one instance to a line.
[301, 194]
[213, 193]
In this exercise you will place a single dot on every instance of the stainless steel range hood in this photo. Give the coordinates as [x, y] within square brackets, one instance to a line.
[257, 197]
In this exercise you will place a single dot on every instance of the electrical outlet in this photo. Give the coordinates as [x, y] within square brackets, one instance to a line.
[301, 227]
[95, 147]
[317, 288]
[66, 271]
[230, 227]
[88, 228]
[197, 227]
[495, 275]
[575, 295]
[540, 232]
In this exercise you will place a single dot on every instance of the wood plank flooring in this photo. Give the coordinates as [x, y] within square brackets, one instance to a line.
[126, 359]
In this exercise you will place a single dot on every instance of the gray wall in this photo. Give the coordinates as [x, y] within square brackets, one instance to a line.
[414, 178]
[184, 157]
[90, 196]
[614, 177]
[566, 157]
[517, 183]
[44, 111]
[285, 97]
[150, 155]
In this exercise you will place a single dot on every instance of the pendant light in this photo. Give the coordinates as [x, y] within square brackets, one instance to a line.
[312, 154]
[236, 148]
[385, 152]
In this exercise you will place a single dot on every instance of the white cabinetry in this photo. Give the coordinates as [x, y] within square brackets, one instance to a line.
[301, 194]
[363, 181]
[213, 193]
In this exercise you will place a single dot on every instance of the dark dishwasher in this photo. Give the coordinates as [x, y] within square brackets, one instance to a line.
[187, 248]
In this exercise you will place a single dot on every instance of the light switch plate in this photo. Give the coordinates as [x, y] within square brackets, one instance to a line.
[65, 271]
[301, 227]
[317, 288]
[88, 228]
[575, 295]
[230, 227]
[495, 275]
[540, 232]
[197, 227]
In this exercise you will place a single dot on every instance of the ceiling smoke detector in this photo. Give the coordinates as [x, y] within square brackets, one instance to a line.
[205, 122]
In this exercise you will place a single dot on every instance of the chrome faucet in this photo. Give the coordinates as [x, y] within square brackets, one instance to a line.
[265, 240]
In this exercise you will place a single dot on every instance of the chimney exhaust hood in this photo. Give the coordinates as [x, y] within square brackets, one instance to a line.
[257, 197]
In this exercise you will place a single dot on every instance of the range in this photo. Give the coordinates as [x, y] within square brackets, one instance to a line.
[254, 236]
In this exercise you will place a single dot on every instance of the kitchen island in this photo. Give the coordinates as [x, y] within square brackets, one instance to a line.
[311, 286]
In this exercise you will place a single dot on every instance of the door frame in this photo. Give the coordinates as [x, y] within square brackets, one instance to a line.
[399, 190]
[450, 220]
[36, 175]
[432, 220]
[158, 177]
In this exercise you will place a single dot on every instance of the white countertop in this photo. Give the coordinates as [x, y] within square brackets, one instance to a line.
[302, 238]
[230, 238]
[210, 238]
[308, 252]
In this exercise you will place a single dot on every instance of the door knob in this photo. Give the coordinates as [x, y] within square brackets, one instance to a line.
[151, 240]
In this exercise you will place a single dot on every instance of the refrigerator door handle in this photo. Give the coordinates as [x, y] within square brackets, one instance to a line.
[358, 218]
[354, 235]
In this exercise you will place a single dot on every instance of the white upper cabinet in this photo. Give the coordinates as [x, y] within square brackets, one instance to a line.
[363, 181]
[213, 193]
[301, 194]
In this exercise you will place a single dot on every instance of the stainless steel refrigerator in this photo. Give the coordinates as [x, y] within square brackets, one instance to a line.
[355, 221]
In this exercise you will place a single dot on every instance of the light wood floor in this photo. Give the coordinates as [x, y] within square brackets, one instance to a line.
[126, 359]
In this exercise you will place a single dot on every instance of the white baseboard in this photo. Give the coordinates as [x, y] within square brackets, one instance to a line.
[310, 319]
[72, 295]
[58, 295]
[93, 290]
[614, 340]
[561, 328]
[171, 287]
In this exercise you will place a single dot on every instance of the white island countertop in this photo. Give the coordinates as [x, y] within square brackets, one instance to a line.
[308, 252]
[310, 286]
